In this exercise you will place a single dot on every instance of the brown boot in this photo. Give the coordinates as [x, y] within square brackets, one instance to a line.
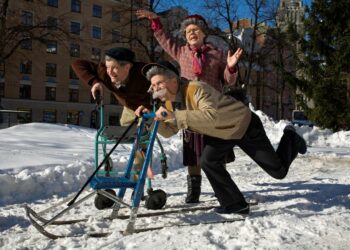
[193, 188]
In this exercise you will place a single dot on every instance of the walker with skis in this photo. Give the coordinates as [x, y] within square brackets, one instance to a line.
[106, 178]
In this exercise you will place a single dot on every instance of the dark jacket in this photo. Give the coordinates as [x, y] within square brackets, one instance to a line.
[131, 96]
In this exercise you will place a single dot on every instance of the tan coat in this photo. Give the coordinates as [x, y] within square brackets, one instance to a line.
[205, 110]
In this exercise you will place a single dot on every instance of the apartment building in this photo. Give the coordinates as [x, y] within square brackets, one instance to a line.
[37, 77]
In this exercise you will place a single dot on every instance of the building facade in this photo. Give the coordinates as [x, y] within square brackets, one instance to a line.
[267, 90]
[291, 11]
[38, 78]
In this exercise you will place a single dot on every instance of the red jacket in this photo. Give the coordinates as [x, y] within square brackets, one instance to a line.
[131, 96]
[215, 71]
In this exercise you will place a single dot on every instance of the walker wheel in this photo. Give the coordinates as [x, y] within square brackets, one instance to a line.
[155, 199]
[102, 202]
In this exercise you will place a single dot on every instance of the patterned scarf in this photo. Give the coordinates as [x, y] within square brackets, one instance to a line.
[198, 59]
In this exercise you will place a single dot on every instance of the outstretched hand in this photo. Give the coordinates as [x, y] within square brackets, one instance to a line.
[232, 58]
[146, 14]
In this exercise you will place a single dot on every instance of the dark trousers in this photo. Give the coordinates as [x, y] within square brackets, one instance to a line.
[255, 144]
[193, 148]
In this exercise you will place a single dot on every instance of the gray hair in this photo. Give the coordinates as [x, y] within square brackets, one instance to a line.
[156, 70]
[202, 25]
[111, 59]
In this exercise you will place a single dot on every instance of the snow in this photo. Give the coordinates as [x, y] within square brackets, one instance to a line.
[42, 164]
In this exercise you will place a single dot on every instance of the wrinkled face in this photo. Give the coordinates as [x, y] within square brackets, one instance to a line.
[117, 72]
[163, 88]
[194, 35]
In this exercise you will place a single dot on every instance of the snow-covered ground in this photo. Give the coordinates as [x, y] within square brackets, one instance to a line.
[41, 164]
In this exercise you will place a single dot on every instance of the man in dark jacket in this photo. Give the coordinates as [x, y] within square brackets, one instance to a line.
[120, 74]
[225, 122]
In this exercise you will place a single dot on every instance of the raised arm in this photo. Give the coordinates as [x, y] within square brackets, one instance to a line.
[168, 43]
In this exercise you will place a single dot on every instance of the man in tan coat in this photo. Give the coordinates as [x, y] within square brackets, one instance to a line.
[225, 122]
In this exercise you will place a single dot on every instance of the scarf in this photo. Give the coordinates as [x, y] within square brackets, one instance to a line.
[198, 59]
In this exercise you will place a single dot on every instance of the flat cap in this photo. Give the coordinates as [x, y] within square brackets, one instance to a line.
[121, 54]
[163, 64]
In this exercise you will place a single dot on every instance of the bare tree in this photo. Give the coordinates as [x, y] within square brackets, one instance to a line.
[139, 34]
[257, 9]
[282, 58]
[15, 33]
[225, 13]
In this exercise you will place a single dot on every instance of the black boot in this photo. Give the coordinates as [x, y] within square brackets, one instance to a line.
[299, 141]
[193, 188]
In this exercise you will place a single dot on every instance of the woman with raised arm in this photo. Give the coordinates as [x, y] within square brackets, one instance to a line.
[202, 61]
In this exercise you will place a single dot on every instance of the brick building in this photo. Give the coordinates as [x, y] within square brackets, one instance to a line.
[37, 78]
[266, 89]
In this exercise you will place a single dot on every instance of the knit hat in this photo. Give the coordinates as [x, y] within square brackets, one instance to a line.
[120, 54]
[196, 20]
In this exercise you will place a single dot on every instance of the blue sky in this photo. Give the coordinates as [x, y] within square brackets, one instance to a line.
[196, 7]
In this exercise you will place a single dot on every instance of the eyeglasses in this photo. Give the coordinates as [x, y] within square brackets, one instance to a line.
[156, 85]
[189, 31]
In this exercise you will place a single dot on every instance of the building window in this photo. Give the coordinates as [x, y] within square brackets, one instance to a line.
[73, 95]
[25, 91]
[138, 3]
[51, 47]
[25, 117]
[52, 3]
[25, 67]
[27, 18]
[49, 115]
[51, 69]
[94, 119]
[72, 74]
[73, 117]
[2, 89]
[96, 32]
[26, 44]
[52, 23]
[50, 93]
[115, 36]
[114, 120]
[97, 10]
[113, 100]
[2, 69]
[115, 16]
[75, 28]
[95, 54]
[76, 6]
[74, 50]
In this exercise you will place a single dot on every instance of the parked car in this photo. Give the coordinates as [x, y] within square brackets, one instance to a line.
[299, 118]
